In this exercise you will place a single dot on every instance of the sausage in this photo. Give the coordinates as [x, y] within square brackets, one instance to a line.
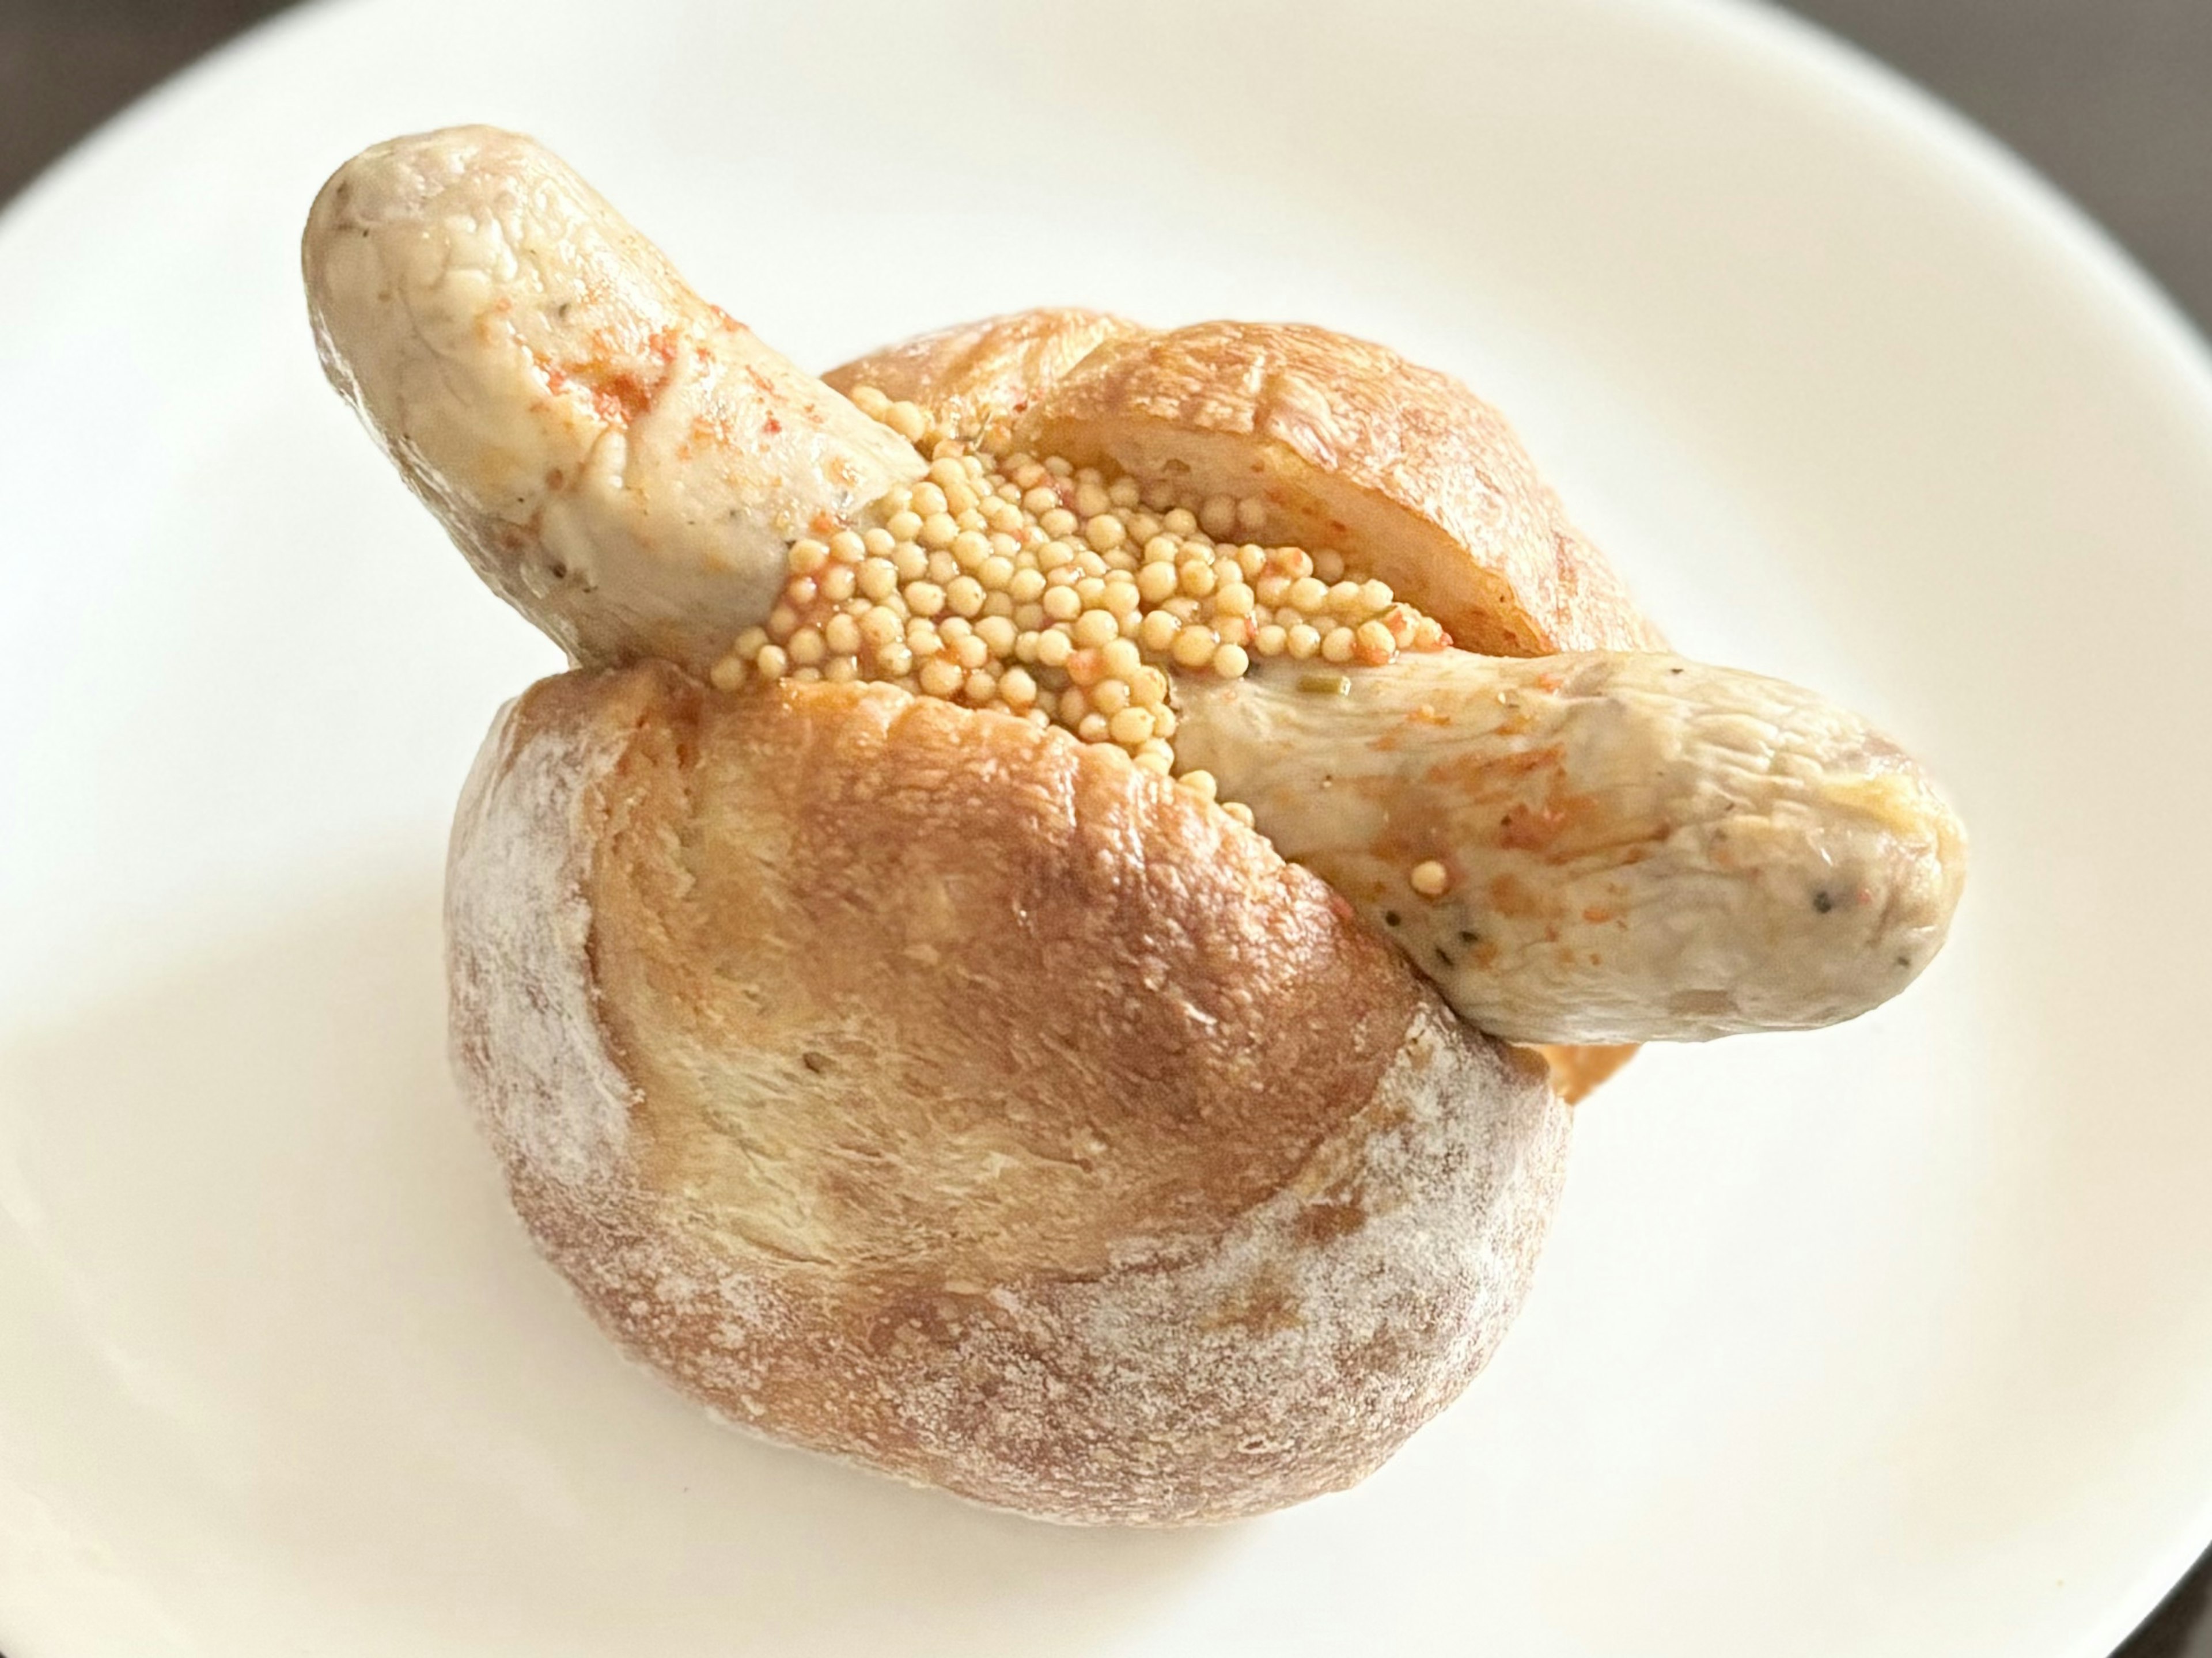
[621, 461]
[1608, 846]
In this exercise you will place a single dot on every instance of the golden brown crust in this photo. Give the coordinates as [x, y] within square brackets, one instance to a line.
[975, 376]
[1351, 446]
[1069, 1214]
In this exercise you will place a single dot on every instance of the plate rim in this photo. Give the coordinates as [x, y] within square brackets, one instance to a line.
[2113, 284]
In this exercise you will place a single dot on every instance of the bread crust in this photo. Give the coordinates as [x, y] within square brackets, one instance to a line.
[979, 376]
[1352, 447]
[916, 1086]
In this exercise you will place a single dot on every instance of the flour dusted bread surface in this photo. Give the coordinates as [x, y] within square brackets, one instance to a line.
[914, 1084]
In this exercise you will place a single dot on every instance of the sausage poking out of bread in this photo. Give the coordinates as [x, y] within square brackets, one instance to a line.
[878, 965]
[621, 462]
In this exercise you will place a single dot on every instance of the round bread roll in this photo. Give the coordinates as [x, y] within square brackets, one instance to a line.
[913, 1084]
[916, 1085]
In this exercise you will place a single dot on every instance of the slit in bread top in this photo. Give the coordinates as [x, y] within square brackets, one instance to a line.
[1064, 595]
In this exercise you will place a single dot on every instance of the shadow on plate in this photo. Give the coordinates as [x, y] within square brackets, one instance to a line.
[266, 1214]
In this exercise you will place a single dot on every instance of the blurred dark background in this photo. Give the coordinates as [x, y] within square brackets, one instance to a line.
[2113, 98]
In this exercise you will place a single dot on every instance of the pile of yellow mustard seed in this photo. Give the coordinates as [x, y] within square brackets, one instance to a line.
[1058, 593]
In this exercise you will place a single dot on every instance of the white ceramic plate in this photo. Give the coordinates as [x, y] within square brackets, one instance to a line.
[1896, 1340]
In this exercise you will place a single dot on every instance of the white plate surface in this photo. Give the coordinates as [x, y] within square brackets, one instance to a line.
[1895, 1340]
